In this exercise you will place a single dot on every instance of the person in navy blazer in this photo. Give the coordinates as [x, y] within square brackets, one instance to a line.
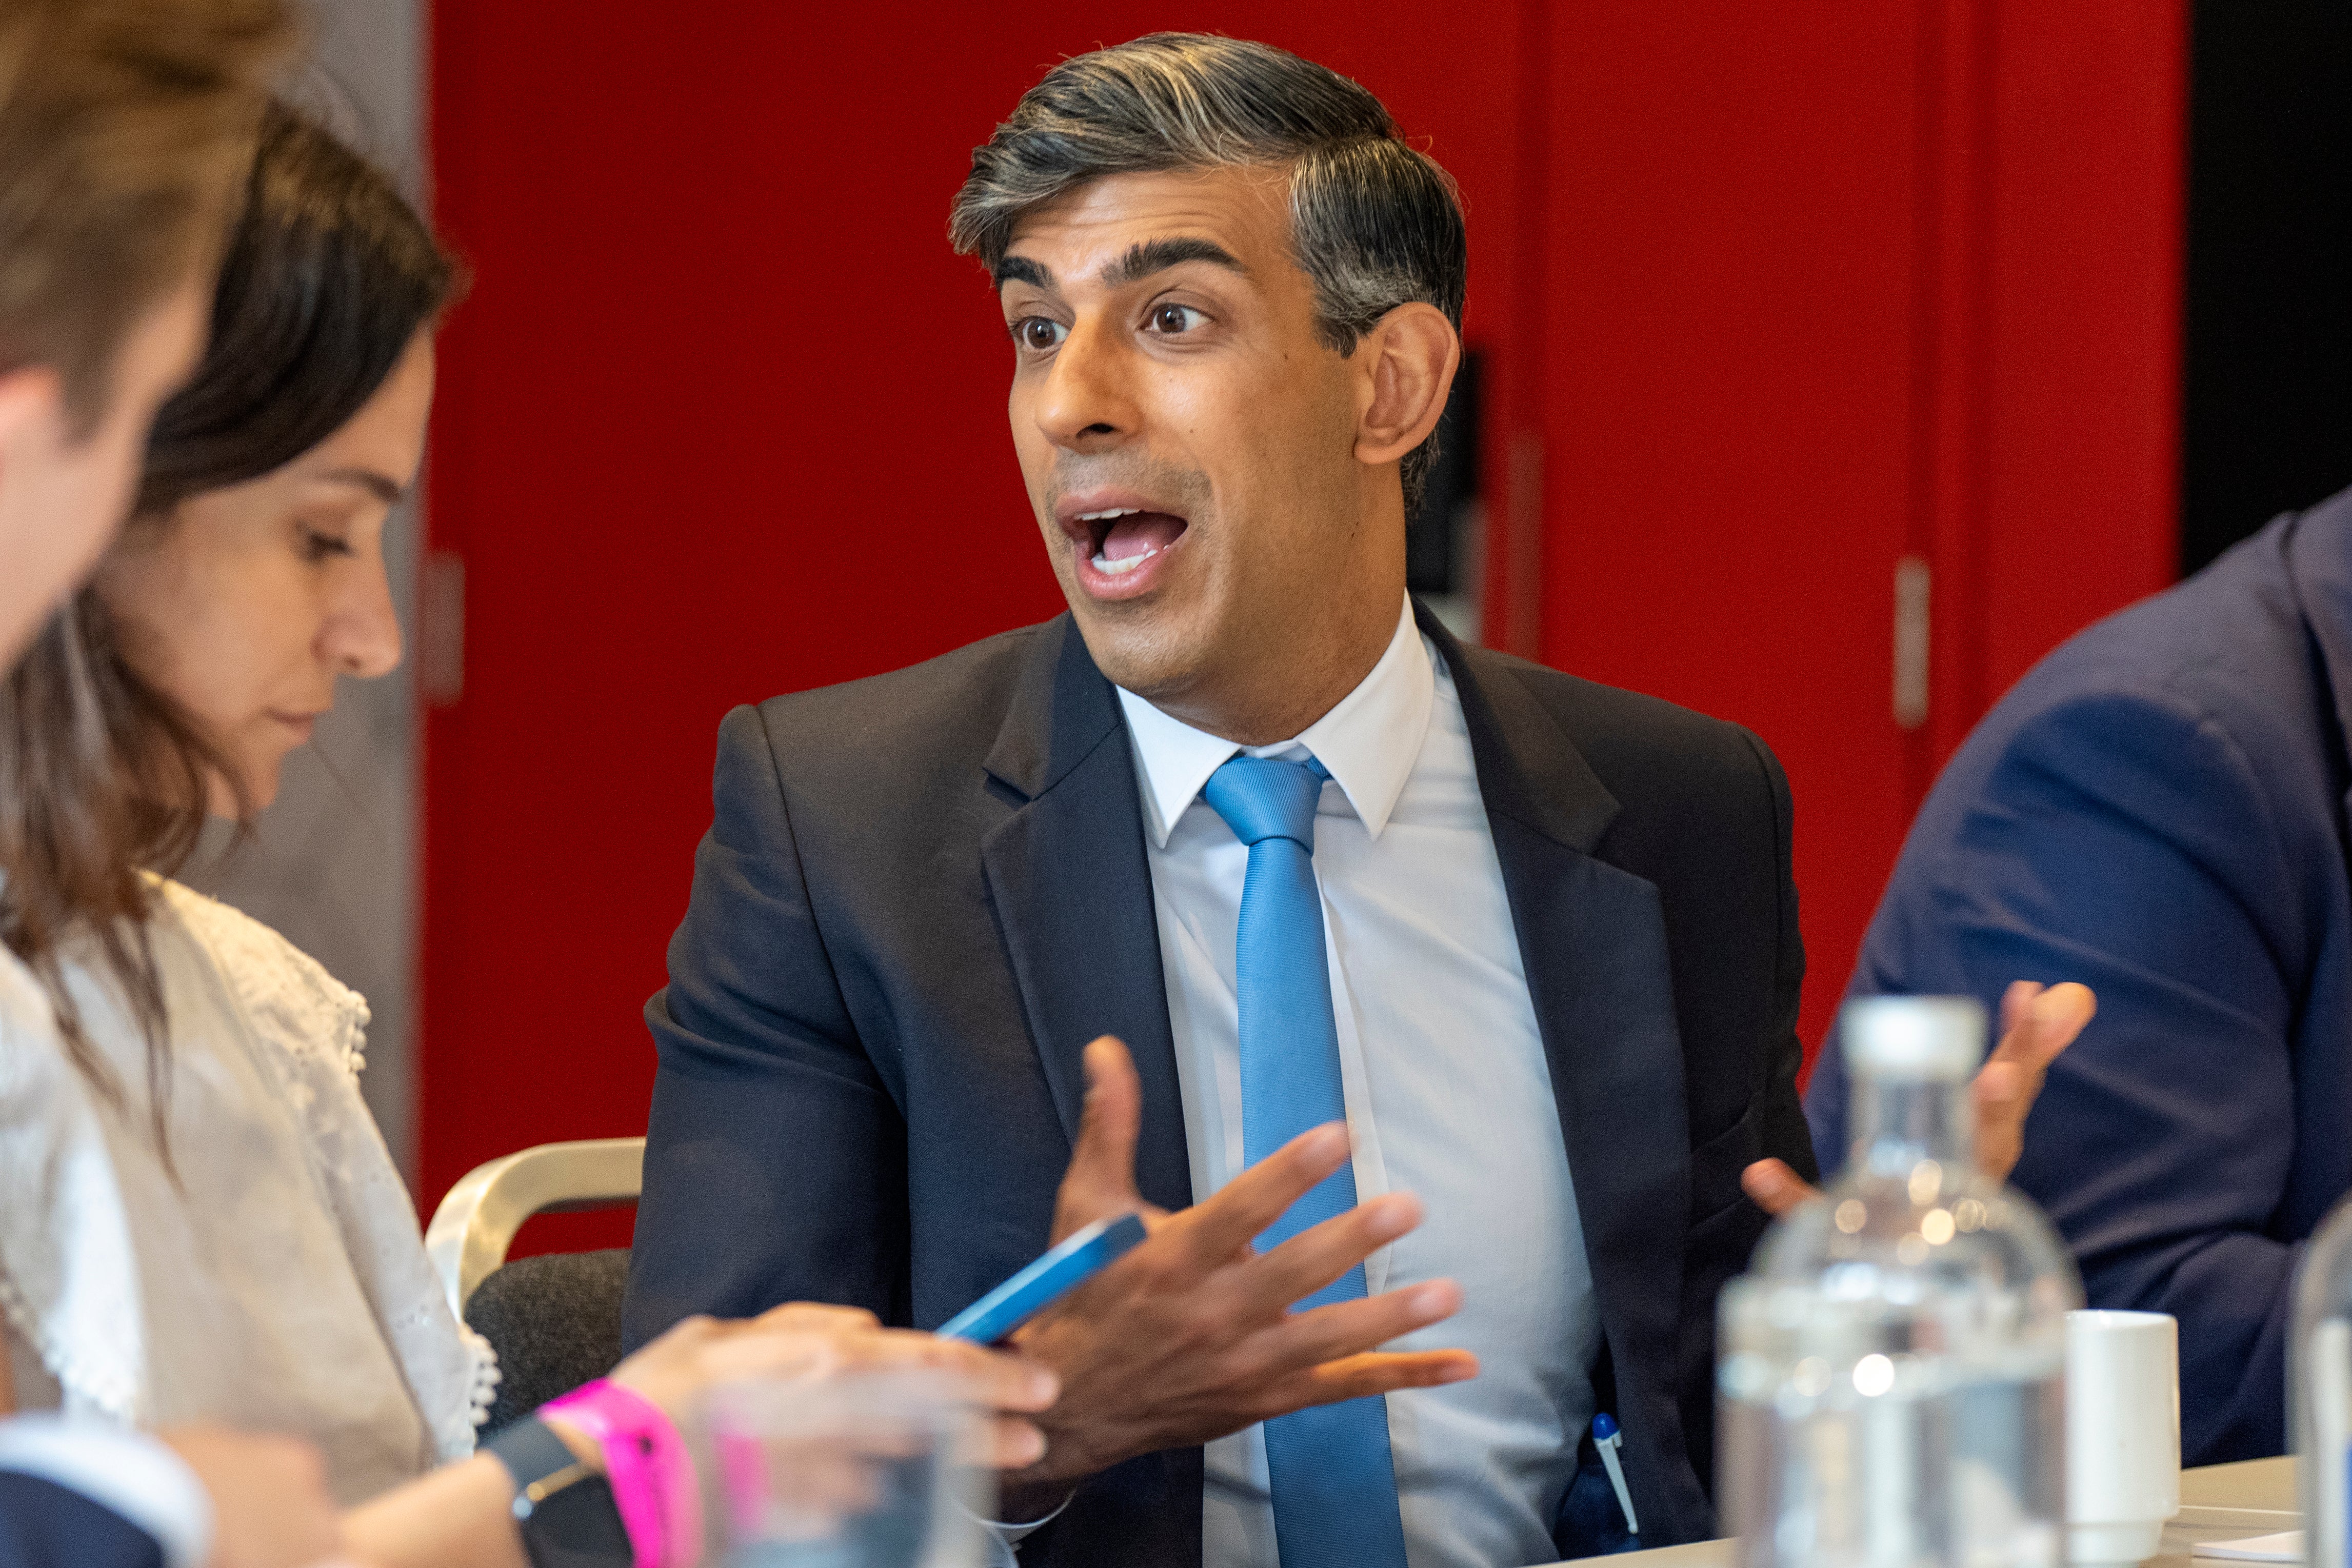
[2158, 809]
[42, 1523]
[83, 1491]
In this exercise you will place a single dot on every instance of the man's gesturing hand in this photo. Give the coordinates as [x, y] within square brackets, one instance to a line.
[2037, 1022]
[1191, 1337]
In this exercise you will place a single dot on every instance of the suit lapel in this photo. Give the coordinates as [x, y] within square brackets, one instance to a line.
[1072, 889]
[1592, 940]
[2318, 563]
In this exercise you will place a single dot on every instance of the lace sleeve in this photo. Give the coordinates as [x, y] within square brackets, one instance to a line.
[314, 1028]
[287, 997]
[69, 1273]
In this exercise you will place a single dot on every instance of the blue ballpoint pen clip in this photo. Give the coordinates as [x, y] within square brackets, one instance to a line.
[1606, 1438]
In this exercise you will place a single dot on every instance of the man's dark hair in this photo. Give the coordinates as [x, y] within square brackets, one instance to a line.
[1374, 222]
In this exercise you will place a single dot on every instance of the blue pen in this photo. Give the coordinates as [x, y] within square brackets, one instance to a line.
[1606, 1438]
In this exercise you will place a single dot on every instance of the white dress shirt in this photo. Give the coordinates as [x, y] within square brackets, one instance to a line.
[1449, 1097]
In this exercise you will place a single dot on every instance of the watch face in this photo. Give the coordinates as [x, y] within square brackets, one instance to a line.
[577, 1527]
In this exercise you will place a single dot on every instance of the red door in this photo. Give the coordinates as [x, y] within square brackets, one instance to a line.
[1856, 321]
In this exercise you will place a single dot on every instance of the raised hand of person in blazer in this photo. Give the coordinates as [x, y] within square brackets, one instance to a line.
[2037, 1022]
[1191, 1336]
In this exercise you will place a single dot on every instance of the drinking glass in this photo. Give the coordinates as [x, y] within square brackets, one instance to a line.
[869, 1470]
[1891, 1381]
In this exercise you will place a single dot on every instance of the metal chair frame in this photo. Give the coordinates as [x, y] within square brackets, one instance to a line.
[476, 1222]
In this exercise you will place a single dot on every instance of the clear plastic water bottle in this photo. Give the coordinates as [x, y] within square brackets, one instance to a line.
[2319, 1389]
[1892, 1368]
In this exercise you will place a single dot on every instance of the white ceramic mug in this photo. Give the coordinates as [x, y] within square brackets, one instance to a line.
[2123, 1434]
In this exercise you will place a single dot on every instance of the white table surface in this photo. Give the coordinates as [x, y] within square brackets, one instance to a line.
[2219, 1503]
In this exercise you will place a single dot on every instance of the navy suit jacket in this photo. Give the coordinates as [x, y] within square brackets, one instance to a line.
[923, 894]
[2158, 810]
[43, 1525]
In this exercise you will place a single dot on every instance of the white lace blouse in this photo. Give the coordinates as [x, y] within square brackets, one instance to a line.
[278, 1283]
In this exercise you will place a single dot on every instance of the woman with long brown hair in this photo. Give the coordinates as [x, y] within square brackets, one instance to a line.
[226, 1190]
[207, 1225]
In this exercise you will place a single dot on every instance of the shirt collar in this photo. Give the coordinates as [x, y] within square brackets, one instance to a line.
[1369, 741]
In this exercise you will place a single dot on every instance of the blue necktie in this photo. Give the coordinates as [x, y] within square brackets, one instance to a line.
[1335, 1502]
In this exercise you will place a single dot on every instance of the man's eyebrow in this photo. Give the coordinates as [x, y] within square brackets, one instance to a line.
[382, 488]
[1021, 269]
[1151, 255]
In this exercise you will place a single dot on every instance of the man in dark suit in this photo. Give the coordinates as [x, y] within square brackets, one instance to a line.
[1250, 811]
[2158, 807]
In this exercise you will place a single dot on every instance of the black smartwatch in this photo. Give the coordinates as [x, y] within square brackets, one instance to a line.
[564, 1510]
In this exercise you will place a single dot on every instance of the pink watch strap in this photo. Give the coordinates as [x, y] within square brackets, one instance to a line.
[647, 1467]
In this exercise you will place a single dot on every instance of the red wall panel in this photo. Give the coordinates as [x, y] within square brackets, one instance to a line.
[1731, 368]
[1830, 286]
[723, 418]
[2050, 270]
[2087, 269]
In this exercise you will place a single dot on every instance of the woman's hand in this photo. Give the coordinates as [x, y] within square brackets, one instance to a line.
[804, 1341]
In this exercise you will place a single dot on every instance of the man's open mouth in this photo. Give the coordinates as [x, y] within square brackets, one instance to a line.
[1124, 537]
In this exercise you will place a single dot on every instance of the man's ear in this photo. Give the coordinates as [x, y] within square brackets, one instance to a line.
[1410, 358]
[32, 410]
[35, 547]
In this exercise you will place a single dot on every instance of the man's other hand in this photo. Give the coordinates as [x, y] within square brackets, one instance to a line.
[1191, 1337]
[2037, 1022]
[270, 1504]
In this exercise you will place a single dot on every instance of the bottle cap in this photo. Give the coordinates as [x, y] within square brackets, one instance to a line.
[1913, 1037]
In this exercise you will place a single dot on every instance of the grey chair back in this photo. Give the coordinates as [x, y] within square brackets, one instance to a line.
[554, 1321]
